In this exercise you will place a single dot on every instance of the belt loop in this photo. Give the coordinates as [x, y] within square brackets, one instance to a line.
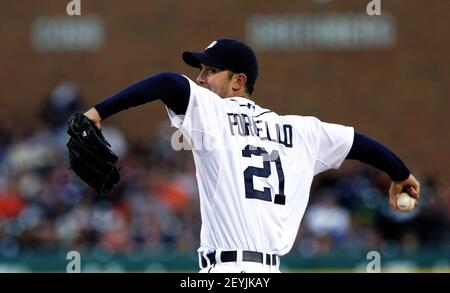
[218, 255]
[208, 263]
[200, 263]
[239, 256]
[264, 260]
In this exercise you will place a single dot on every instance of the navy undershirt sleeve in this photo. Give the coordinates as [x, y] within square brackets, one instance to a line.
[372, 152]
[173, 89]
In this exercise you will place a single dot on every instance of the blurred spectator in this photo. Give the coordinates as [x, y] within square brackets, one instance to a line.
[63, 100]
[11, 202]
[325, 217]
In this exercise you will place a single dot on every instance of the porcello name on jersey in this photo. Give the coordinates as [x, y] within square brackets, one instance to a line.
[244, 125]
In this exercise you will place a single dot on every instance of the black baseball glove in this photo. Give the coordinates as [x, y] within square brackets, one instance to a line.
[90, 155]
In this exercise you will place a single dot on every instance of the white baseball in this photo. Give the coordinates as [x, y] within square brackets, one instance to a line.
[405, 202]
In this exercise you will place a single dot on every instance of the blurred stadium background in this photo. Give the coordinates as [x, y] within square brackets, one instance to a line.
[388, 76]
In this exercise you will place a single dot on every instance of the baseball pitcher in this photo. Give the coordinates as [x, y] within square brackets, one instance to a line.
[254, 166]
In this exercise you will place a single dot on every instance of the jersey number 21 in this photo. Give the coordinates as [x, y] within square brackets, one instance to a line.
[264, 172]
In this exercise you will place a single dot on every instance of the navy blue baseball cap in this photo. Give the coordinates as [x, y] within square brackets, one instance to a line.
[226, 54]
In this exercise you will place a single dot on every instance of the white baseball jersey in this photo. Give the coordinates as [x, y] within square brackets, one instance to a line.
[254, 169]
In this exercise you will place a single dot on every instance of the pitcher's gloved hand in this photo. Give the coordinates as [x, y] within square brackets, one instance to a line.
[90, 155]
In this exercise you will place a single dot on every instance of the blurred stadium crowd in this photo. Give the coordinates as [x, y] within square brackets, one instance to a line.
[43, 206]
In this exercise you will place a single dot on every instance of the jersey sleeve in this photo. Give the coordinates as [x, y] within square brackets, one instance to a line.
[327, 143]
[203, 119]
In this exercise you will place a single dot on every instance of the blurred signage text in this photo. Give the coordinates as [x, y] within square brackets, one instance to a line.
[63, 33]
[333, 31]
